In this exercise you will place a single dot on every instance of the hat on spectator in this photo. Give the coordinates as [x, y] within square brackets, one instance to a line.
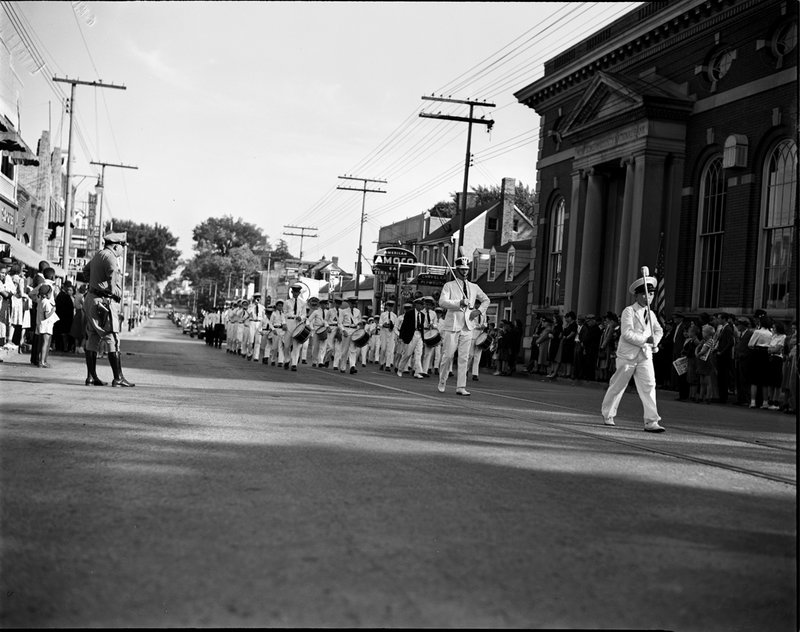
[428, 299]
[352, 299]
[405, 305]
[419, 299]
[257, 295]
[116, 238]
[313, 300]
[6, 261]
[390, 302]
[45, 289]
[297, 286]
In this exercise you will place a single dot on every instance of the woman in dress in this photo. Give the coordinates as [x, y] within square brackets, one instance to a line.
[758, 363]
[543, 345]
[555, 345]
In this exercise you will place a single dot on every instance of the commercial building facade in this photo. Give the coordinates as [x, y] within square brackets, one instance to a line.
[669, 139]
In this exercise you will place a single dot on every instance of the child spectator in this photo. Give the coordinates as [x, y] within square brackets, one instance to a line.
[47, 317]
[690, 344]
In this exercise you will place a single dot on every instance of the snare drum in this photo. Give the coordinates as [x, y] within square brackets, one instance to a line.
[432, 337]
[483, 341]
[359, 338]
[322, 332]
[301, 332]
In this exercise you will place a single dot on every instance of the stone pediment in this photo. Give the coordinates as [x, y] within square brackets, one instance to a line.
[608, 97]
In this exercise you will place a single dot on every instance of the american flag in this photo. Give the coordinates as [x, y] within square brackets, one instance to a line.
[661, 293]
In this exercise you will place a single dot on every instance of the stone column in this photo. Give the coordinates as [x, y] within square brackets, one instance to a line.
[647, 212]
[571, 262]
[621, 281]
[591, 245]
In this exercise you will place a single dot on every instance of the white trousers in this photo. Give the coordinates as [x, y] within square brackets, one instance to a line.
[386, 354]
[453, 341]
[641, 369]
[413, 352]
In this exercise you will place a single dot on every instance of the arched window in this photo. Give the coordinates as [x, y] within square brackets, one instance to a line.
[710, 233]
[555, 245]
[777, 231]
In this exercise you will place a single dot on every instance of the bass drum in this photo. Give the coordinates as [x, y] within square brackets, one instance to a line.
[483, 341]
[432, 337]
[301, 332]
[322, 332]
[359, 338]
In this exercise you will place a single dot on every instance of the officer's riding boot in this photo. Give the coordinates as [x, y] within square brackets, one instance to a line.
[115, 361]
[91, 369]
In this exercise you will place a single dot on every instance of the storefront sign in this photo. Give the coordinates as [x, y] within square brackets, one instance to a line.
[389, 259]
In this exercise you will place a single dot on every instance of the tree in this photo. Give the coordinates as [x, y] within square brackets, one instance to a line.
[443, 209]
[221, 234]
[154, 244]
[523, 197]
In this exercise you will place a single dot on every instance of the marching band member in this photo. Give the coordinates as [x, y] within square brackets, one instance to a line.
[350, 318]
[640, 334]
[474, 352]
[295, 315]
[369, 352]
[265, 343]
[315, 320]
[333, 349]
[253, 327]
[277, 323]
[437, 350]
[399, 345]
[431, 324]
[461, 300]
[387, 323]
[411, 333]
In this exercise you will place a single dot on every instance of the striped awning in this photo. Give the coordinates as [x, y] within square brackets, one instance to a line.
[25, 254]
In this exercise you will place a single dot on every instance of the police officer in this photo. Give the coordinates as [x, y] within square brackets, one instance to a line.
[102, 307]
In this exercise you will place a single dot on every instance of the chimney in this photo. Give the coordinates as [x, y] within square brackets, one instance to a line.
[335, 261]
[507, 189]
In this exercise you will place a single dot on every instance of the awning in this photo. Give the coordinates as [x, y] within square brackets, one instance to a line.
[27, 255]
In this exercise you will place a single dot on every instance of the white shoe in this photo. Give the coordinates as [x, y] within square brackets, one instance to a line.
[774, 407]
[653, 426]
[399, 374]
[419, 376]
[609, 421]
[440, 387]
[462, 391]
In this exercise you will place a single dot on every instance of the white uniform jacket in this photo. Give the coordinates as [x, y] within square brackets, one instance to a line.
[457, 318]
[634, 332]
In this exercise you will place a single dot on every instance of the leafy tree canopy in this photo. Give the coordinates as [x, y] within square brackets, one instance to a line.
[219, 235]
[523, 198]
[152, 243]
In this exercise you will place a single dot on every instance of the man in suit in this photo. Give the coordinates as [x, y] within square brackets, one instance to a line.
[465, 303]
[411, 331]
[725, 341]
[640, 334]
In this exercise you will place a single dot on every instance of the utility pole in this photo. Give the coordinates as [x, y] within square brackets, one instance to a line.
[67, 209]
[470, 119]
[100, 188]
[301, 235]
[364, 190]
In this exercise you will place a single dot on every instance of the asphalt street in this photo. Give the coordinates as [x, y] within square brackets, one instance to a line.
[224, 493]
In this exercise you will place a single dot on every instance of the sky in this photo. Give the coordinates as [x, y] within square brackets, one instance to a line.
[255, 109]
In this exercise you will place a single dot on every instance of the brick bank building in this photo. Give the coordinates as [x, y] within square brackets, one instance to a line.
[672, 130]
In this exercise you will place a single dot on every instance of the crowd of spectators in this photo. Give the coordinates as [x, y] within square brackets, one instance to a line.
[708, 359]
[40, 313]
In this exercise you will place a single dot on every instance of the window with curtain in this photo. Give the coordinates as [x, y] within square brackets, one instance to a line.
[510, 261]
[711, 232]
[555, 245]
[777, 230]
